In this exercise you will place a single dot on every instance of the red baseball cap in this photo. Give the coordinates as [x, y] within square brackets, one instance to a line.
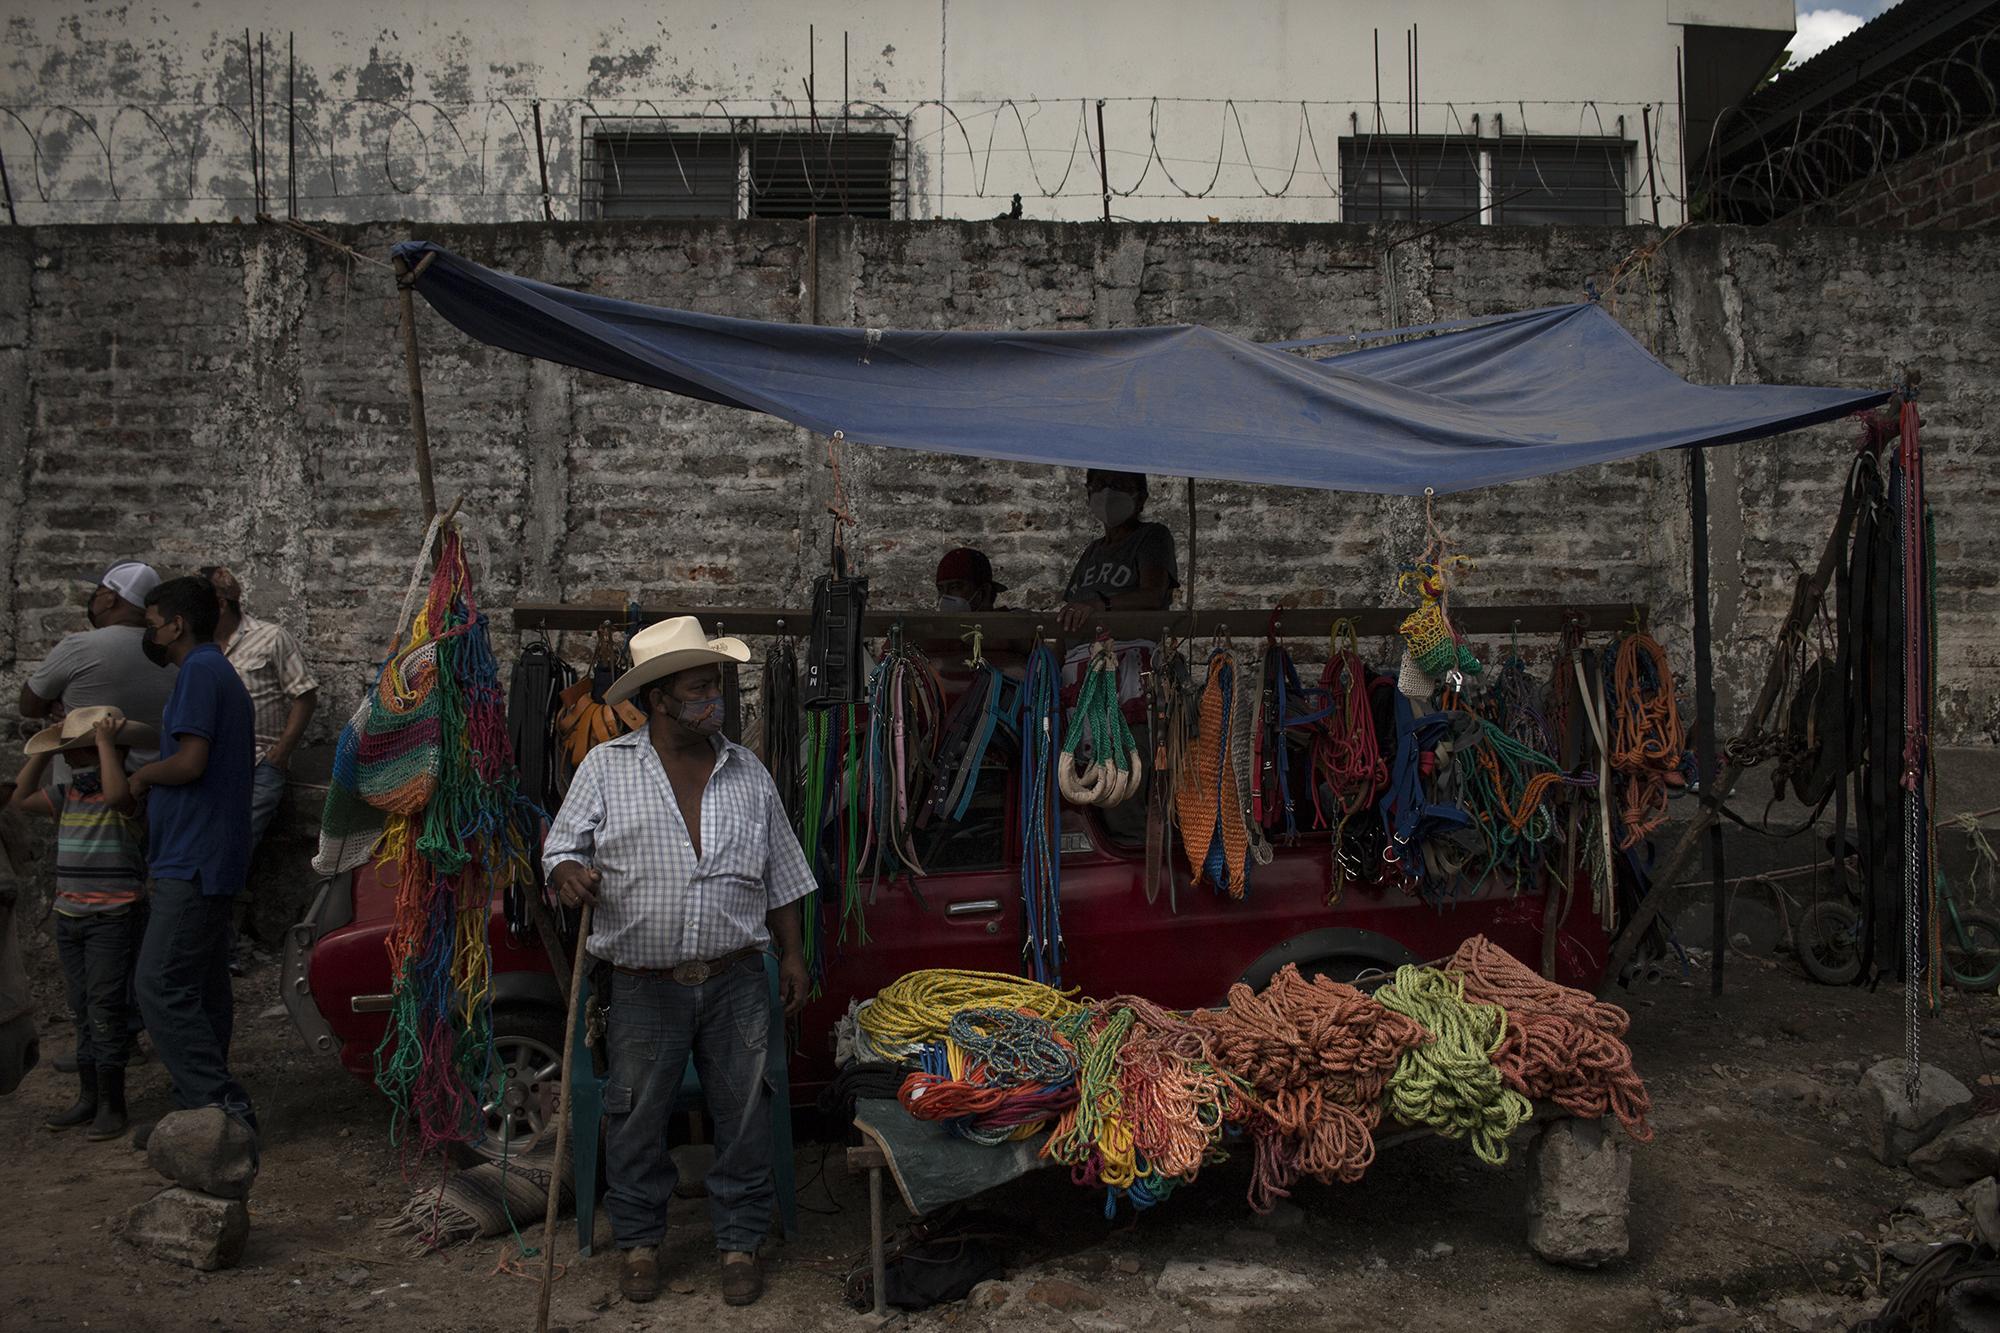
[970, 565]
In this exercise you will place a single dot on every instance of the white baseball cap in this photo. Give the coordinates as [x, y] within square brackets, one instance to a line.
[130, 579]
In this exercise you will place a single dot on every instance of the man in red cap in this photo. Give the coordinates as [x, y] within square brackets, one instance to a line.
[965, 582]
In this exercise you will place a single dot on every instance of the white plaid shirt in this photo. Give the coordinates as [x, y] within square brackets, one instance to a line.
[274, 671]
[659, 905]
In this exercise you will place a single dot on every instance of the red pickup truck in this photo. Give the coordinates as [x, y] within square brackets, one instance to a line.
[336, 970]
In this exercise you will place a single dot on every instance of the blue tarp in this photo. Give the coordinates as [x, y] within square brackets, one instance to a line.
[1467, 405]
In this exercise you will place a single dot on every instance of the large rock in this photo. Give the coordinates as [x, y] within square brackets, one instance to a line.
[198, 1230]
[1960, 1155]
[1579, 1190]
[207, 1150]
[1897, 1127]
[1983, 1202]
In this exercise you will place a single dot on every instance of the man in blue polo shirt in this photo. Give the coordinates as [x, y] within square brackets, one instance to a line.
[198, 816]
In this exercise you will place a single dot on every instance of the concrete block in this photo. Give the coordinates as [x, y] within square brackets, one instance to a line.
[1579, 1190]
[184, 1227]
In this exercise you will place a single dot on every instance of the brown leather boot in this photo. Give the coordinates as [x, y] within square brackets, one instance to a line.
[742, 1278]
[639, 1274]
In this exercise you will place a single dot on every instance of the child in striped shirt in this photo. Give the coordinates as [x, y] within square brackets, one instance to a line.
[100, 883]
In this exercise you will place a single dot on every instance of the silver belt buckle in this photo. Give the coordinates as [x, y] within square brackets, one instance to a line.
[691, 974]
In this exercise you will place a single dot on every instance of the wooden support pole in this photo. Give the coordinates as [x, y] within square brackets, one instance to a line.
[562, 1126]
[1704, 707]
[406, 281]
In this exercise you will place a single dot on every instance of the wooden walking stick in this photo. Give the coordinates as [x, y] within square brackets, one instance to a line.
[562, 1125]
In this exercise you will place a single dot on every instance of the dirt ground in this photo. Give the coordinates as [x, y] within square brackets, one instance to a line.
[1756, 1207]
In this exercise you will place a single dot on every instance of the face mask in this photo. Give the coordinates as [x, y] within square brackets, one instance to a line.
[1111, 507]
[704, 716]
[953, 606]
[155, 653]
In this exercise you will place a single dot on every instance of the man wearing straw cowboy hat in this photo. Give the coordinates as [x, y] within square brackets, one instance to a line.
[677, 838]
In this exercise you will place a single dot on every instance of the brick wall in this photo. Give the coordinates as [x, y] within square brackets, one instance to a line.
[192, 394]
[1955, 185]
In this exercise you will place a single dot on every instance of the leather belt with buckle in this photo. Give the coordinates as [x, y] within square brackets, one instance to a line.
[696, 972]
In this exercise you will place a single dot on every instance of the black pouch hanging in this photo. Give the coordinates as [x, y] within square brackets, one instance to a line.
[833, 653]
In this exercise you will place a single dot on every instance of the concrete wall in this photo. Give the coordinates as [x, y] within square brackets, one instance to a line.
[188, 394]
[145, 110]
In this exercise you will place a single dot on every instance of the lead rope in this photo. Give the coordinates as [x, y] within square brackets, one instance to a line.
[1347, 756]
[1167, 723]
[1040, 816]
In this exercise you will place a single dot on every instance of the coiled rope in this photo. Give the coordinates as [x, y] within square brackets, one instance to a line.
[917, 1007]
[1448, 1082]
[1561, 1045]
[1113, 772]
[1317, 1057]
[1648, 744]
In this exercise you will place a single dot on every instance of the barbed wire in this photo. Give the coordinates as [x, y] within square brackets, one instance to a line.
[1811, 161]
[115, 160]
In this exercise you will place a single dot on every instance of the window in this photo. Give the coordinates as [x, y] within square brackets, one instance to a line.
[666, 176]
[1390, 178]
[1579, 181]
[741, 168]
[1477, 181]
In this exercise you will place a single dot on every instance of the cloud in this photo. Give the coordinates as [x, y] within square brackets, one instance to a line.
[1819, 29]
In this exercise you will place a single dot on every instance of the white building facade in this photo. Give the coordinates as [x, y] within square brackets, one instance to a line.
[1429, 111]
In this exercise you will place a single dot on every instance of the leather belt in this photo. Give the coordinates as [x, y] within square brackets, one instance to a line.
[693, 973]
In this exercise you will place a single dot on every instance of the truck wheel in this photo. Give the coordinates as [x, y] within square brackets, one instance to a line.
[521, 1105]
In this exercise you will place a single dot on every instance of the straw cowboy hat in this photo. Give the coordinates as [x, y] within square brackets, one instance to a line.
[74, 731]
[672, 645]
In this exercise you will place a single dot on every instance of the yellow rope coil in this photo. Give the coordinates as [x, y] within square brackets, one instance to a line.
[917, 1007]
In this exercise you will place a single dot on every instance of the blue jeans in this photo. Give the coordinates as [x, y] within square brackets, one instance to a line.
[267, 792]
[653, 1025]
[96, 950]
[185, 996]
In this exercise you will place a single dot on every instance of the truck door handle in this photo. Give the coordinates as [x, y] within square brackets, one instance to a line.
[972, 907]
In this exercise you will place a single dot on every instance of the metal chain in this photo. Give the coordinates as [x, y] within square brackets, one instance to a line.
[1912, 935]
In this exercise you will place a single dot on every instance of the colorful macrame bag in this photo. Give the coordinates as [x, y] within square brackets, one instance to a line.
[400, 751]
[1434, 645]
[391, 750]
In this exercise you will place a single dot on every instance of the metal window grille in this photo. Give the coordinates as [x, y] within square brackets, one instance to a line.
[1577, 181]
[1517, 179]
[1389, 178]
[743, 168]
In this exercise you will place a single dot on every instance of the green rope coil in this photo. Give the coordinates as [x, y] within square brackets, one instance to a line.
[1450, 1082]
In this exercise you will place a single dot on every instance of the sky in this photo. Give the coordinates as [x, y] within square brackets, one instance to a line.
[1820, 25]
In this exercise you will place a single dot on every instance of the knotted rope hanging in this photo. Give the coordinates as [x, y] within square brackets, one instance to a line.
[905, 714]
[1113, 772]
[445, 862]
[1648, 744]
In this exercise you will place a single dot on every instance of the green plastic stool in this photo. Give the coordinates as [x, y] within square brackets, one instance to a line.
[586, 1118]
